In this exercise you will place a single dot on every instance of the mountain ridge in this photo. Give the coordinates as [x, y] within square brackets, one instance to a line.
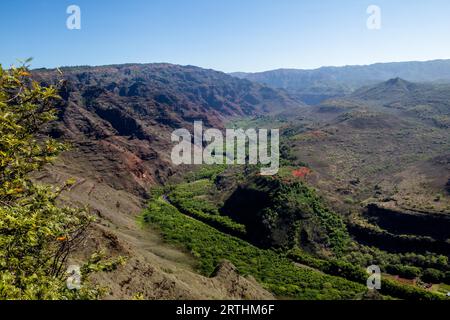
[315, 85]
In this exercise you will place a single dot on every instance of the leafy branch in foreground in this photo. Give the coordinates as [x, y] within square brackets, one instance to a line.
[36, 235]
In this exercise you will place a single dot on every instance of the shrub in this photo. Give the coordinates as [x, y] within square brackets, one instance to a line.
[432, 275]
[408, 272]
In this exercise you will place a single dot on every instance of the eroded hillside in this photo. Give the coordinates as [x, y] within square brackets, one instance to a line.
[118, 120]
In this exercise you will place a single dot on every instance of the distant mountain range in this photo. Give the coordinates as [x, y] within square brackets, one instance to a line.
[314, 86]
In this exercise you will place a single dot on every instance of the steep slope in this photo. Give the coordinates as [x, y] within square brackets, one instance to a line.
[120, 117]
[119, 120]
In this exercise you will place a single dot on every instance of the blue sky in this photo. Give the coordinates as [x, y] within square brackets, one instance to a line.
[226, 35]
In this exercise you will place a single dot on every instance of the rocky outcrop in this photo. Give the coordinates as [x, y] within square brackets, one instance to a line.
[237, 286]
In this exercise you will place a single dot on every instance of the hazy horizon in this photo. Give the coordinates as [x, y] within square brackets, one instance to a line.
[233, 72]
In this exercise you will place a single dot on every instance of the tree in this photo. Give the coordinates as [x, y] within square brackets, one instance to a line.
[408, 272]
[432, 275]
[36, 235]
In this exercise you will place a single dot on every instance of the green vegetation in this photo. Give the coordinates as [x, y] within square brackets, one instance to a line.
[442, 289]
[406, 265]
[292, 208]
[264, 122]
[355, 273]
[296, 206]
[190, 199]
[407, 272]
[36, 235]
[300, 201]
[431, 275]
[274, 270]
[277, 273]
[209, 172]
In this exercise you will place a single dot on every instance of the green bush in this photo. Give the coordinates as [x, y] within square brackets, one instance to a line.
[432, 276]
[407, 272]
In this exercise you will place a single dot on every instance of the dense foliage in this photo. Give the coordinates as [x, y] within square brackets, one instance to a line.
[190, 199]
[358, 274]
[276, 273]
[406, 265]
[300, 205]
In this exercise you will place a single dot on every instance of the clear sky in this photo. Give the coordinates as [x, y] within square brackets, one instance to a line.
[226, 35]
